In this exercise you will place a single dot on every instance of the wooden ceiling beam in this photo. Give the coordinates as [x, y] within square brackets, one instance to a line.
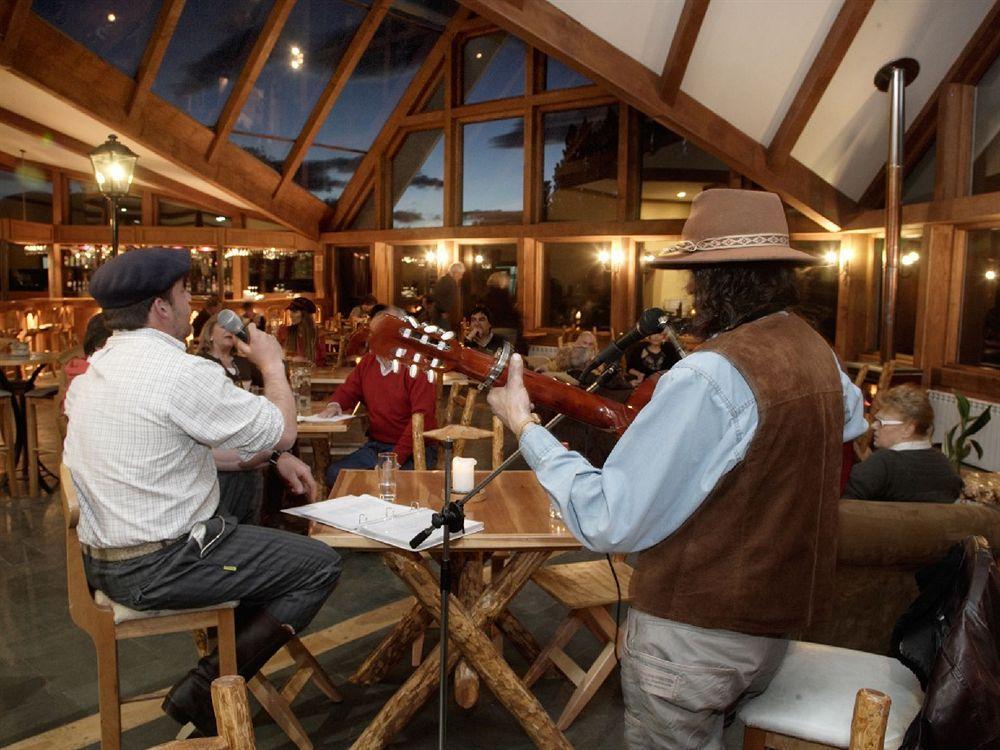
[838, 40]
[66, 69]
[354, 192]
[157, 182]
[13, 14]
[334, 87]
[971, 64]
[546, 27]
[681, 47]
[248, 76]
[149, 66]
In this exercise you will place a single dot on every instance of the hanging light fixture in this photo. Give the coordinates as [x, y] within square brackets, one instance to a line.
[114, 165]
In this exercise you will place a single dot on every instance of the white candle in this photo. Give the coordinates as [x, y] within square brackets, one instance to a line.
[463, 474]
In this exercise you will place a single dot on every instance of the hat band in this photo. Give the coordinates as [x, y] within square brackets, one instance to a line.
[730, 241]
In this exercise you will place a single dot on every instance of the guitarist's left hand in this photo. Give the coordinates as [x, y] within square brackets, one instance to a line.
[512, 402]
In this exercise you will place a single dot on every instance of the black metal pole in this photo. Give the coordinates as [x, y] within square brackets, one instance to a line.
[445, 592]
[114, 225]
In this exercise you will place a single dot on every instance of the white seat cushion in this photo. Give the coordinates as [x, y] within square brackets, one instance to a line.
[812, 695]
[124, 614]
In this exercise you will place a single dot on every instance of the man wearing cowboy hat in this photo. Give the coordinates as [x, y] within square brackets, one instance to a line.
[726, 483]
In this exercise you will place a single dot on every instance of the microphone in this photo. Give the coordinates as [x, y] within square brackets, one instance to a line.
[234, 324]
[651, 321]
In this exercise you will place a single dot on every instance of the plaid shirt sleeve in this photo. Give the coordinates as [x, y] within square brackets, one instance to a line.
[212, 410]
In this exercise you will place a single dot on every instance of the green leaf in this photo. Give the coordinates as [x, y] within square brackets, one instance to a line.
[978, 447]
[981, 421]
[963, 406]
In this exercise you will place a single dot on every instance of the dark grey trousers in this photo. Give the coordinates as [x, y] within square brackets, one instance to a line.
[288, 574]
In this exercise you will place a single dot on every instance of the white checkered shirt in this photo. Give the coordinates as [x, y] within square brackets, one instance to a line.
[143, 421]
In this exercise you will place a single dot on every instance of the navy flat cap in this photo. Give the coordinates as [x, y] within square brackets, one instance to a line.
[137, 275]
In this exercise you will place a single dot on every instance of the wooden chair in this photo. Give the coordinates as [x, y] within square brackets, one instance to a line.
[586, 589]
[232, 715]
[7, 433]
[107, 622]
[459, 435]
[816, 702]
[57, 395]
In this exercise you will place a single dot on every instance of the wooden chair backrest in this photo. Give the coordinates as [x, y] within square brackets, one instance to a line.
[82, 608]
[859, 379]
[420, 448]
[870, 719]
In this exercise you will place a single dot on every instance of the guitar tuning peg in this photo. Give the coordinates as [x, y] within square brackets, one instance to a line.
[414, 370]
[406, 333]
[412, 321]
[400, 352]
[447, 335]
[395, 365]
[416, 357]
[435, 363]
[431, 329]
[430, 376]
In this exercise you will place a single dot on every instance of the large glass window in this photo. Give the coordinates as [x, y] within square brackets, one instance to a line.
[311, 44]
[325, 171]
[398, 48]
[986, 141]
[580, 170]
[353, 269]
[980, 326]
[88, 206]
[559, 76]
[117, 32]
[492, 68]
[493, 172]
[819, 286]
[661, 287]
[26, 194]
[415, 269]
[577, 277]
[270, 150]
[918, 187]
[281, 271]
[418, 180]
[673, 172]
[172, 214]
[911, 263]
[78, 264]
[365, 218]
[26, 271]
[209, 48]
[489, 265]
[203, 277]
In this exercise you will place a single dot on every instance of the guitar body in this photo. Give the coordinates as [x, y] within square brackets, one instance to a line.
[428, 349]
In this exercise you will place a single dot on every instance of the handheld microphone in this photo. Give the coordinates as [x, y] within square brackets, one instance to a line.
[234, 324]
[651, 321]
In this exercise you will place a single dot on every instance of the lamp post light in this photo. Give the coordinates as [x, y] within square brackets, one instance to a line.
[114, 164]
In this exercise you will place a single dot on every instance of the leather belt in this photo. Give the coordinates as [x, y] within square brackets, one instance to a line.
[117, 554]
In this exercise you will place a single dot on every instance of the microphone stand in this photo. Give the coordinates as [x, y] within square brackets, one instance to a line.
[450, 520]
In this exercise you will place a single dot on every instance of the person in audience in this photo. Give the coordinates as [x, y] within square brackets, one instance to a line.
[726, 483]
[94, 338]
[481, 334]
[219, 345]
[649, 357]
[252, 316]
[572, 358]
[362, 312]
[391, 398]
[301, 339]
[905, 467]
[212, 307]
[143, 423]
[506, 318]
[447, 296]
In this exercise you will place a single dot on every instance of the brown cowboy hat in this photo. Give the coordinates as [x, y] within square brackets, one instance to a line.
[732, 226]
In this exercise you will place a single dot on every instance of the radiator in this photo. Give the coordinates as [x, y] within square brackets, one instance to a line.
[946, 416]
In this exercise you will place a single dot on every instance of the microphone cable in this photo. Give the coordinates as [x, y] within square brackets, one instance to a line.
[618, 606]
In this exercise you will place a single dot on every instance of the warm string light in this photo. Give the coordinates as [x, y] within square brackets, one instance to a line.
[991, 275]
[910, 258]
[296, 58]
[36, 249]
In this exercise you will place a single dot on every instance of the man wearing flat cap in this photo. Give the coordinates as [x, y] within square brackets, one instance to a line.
[726, 483]
[147, 424]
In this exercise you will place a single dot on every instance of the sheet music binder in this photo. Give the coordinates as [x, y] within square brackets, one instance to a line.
[380, 520]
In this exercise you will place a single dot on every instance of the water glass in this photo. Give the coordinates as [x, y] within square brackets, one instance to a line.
[385, 470]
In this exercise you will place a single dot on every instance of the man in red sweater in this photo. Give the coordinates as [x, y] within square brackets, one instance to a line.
[391, 399]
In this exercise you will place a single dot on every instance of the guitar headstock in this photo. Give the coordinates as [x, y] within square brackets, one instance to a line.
[417, 346]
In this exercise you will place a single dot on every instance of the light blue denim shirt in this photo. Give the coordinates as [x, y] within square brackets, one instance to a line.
[697, 426]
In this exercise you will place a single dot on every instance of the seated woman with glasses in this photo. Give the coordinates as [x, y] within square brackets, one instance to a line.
[905, 467]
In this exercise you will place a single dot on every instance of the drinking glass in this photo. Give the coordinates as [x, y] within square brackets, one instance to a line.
[386, 469]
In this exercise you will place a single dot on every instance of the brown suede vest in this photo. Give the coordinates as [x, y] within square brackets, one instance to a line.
[759, 553]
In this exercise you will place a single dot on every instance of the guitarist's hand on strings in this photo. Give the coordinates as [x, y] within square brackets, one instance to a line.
[512, 403]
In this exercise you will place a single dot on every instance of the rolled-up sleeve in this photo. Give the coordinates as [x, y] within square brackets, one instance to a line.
[213, 411]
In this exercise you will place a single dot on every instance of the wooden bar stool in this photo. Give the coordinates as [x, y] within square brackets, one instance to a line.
[7, 432]
[232, 715]
[810, 701]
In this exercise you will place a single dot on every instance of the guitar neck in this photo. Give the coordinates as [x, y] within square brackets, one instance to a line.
[553, 394]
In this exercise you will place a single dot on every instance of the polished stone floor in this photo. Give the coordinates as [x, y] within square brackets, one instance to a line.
[48, 672]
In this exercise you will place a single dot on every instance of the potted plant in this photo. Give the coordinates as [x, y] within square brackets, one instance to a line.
[958, 443]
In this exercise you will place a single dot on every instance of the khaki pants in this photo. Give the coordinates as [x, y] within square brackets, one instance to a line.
[681, 681]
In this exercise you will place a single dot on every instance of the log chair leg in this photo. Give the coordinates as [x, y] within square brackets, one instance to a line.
[109, 698]
[391, 648]
[469, 590]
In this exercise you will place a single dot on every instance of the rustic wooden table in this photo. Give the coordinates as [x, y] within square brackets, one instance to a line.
[515, 511]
